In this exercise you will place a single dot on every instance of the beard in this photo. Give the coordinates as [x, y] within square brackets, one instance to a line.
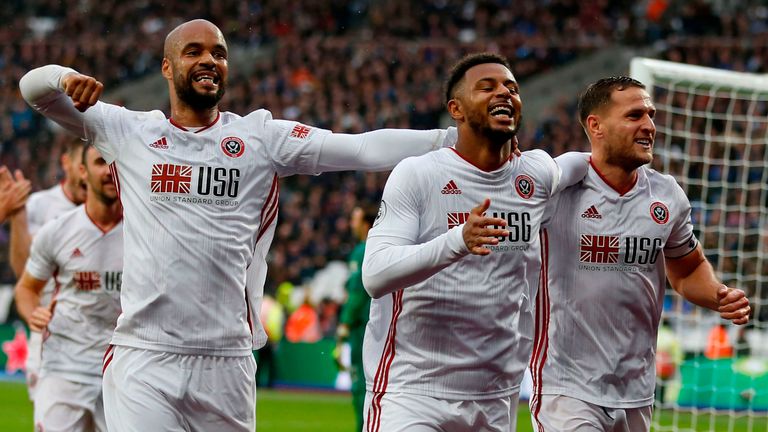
[496, 136]
[195, 100]
[627, 160]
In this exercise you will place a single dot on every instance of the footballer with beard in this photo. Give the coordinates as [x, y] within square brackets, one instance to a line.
[200, 193]
[452, 264]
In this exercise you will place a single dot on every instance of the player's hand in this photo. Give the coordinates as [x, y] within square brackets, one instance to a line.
[337, 356]
[480, 230]
[342, 333]
[13, 192]
[40, 318]
[734, 305]
[84, 90]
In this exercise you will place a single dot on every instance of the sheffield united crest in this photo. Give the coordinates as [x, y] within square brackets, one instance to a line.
[233, 147]
[524, 186]
[659, 213]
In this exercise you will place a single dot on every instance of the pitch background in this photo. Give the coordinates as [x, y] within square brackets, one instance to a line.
[300, 411]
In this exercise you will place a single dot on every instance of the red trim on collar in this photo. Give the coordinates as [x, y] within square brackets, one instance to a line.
[471, 163]
[97, 225]
[620, 191]
[218, 116]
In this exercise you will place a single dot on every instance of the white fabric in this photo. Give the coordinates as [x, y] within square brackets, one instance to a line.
[32, 366]
[209, 215]
[42, 207]
[402, 412]
[86, 264]
[454, 326]
[566, 414]
[65, 406]
[600, 310]
[154, 391]
[46, 205]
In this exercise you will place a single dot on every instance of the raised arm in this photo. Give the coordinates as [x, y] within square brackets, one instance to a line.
[393, 262]
[61, 94]
[381, 149]
[27, 295]
[693, 277]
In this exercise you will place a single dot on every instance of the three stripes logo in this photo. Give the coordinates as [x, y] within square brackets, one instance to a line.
[451, 189]
[161, 144]
[591, 213]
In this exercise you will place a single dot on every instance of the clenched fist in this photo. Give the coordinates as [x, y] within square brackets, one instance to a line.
[84, 90]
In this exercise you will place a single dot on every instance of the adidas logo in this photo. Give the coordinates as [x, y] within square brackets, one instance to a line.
[451, 189]
[76, 253]
[591, 213]
[161, 144]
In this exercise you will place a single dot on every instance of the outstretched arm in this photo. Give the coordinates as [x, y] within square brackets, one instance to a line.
[392, 263]
[381, 149]
[693, 277]
[61, 94]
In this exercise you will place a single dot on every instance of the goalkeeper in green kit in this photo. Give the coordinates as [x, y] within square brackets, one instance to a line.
[354, 314]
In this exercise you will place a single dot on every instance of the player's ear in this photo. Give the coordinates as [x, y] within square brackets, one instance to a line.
[594, 126]
[454, 110]
[166, 69]
[83, 173]
[66, 161]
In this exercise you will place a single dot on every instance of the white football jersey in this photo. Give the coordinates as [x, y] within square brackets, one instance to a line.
[199, 207]
[44, 206]
[465, 332]
[86, 265]
[602, 291]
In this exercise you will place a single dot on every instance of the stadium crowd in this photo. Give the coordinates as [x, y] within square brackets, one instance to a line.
[350, 67]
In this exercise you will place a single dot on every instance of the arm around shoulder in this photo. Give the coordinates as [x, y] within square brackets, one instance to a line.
[379, 150]
[573, 167]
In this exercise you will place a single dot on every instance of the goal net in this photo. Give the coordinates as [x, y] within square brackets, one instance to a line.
[712, 135]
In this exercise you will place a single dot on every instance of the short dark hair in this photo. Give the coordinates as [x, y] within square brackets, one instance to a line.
[467, 62]
[72, 144]
[598, 94]
[86, 146]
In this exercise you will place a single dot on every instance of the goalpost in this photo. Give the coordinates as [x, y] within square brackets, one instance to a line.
[712, 136]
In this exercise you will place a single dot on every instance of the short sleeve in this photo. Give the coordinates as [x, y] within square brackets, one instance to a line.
[41, 263]
[682, 239]
[34, 214]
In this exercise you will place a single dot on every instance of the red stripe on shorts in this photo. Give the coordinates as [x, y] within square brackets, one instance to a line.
[382, 372]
